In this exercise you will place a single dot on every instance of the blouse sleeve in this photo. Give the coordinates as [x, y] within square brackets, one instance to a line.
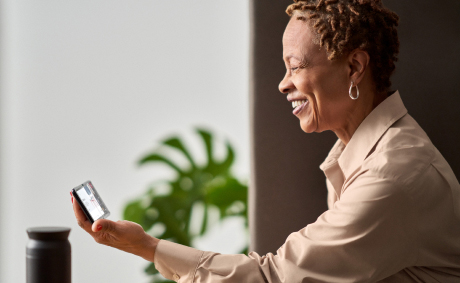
[366, 236]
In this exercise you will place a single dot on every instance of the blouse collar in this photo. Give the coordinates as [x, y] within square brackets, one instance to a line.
[367, 135]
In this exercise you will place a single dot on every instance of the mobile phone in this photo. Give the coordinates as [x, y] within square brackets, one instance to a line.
[90, 201]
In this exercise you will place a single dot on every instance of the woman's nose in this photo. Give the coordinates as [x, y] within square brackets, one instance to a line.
[285, 85]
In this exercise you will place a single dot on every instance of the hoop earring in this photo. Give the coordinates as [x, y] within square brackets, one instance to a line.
[357, 92]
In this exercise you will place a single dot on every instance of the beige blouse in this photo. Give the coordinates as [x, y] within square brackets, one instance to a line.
[394, 216]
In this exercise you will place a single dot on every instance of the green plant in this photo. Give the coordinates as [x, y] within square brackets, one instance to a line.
[204, 185]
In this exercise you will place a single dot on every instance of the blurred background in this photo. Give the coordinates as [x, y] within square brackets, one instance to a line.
[87, 88]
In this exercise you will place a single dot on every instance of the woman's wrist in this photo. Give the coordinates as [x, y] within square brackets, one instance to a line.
[148, 247]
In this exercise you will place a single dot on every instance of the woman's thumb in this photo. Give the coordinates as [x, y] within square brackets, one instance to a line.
[103, 225]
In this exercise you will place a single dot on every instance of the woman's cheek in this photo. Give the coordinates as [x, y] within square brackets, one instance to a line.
[315, 116]
[302, 84]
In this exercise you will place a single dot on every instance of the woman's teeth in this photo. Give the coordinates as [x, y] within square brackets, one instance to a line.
[296, 103]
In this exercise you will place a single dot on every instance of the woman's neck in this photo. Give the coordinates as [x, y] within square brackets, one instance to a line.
[366, 103]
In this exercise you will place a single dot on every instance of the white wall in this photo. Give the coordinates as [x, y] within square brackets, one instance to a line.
[87, 87]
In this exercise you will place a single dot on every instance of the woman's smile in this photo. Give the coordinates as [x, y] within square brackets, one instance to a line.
[299, 105]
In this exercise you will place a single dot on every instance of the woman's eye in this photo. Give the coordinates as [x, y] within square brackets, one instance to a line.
[294, 69]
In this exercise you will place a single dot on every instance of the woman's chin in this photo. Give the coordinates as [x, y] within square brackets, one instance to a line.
[307, 120]
[308, 127]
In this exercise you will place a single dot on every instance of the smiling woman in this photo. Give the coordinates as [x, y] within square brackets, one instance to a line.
[312, 77]
[394, 202]
[322, 76]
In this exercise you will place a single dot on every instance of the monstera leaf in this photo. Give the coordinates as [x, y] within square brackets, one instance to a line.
[208, 185]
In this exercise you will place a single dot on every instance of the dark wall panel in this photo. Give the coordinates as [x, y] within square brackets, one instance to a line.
[287, 188]
[428, 71]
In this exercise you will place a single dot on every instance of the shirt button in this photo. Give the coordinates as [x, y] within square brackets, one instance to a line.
[176, 277]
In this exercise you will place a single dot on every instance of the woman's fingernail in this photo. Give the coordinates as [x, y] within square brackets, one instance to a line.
[72, 199]
[99, 227]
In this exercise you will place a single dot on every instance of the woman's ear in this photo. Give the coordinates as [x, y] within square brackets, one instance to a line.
[358, 61]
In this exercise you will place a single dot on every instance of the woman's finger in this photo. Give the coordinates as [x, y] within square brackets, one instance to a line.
[82, 221]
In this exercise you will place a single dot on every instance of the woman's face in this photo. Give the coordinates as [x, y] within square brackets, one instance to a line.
[317, 87]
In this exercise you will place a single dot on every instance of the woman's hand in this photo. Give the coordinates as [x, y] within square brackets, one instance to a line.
[124, 235]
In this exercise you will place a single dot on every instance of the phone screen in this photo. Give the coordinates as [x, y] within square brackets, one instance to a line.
[89, 200]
